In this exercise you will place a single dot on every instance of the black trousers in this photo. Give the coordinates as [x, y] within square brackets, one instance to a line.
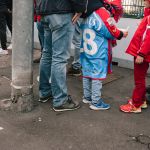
[3, 37]
[9, 21]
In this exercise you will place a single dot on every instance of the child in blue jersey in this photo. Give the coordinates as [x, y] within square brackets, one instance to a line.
[98, 33]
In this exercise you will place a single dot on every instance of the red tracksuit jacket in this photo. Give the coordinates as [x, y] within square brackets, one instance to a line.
[140, 43]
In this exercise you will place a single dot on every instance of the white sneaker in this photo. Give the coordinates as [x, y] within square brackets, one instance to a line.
[38, 78]
[3, 52]
[10, 46]
[85, 101]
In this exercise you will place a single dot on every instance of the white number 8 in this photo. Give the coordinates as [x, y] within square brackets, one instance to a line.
[89, 41]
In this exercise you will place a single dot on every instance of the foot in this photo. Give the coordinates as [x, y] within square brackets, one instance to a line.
[45, 99]
[130, 108]
[9, 47]
[100, 106]
[86, 101]
[74, 72]
[68, 106]
[143, 106]
[3, 52]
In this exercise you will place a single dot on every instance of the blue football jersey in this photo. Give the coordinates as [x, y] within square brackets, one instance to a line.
[94, 47]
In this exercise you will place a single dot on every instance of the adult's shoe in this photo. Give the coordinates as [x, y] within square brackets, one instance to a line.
[74, 72]
[45, 99]
[68, 106]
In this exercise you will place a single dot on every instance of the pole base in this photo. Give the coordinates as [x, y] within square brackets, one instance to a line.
[22, 100]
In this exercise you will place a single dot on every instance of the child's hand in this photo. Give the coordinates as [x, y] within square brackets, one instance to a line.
[139, 60]
[125, 34]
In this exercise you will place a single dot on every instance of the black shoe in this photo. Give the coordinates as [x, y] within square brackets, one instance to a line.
[69, 105]
[74, 72]
[45, 99]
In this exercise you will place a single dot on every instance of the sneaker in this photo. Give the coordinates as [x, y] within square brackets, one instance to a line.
[144, 105]
[86, 101]
[129, 108]
[10, 47]
[45, 99]
[68, 106]
[3, 52]
[74, 72]
[100, 106]
[38, 78]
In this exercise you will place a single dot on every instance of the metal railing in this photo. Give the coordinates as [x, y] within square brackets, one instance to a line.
[133, 8]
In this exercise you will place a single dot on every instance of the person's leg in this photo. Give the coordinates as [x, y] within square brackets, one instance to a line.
[75, 68]
[97, 101]
[9, 24]
[87, 90]
[40, 28]
[77, 42]
[61, 27]
[3, 31]
[139, 92]
[96, 91]
[9, 21]
[45, 65]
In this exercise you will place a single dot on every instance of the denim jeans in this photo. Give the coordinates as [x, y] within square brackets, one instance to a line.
[77, 42]
[45, 64]
[40, 28]
[58, 29]
[92, 89]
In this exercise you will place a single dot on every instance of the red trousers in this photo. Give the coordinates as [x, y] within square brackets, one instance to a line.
[139, 92]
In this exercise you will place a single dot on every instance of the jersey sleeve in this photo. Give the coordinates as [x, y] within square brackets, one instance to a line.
[109, 23]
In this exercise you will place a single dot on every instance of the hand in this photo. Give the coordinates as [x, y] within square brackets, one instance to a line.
[76, 17]
[139, 60]
[125, 34]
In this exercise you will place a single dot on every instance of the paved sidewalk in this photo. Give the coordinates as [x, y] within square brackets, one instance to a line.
[83, 129]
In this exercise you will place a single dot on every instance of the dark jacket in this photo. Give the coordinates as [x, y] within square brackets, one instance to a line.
[47, 7]
[3, 6]
[92, 6]
[9, 4]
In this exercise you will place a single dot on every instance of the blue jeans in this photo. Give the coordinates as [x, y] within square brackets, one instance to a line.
[58, 29]
[40, 28]
[77, 42]
[45, 64]
[92, 90]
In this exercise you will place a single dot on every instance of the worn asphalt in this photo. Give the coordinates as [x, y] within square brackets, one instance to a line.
[83, 129]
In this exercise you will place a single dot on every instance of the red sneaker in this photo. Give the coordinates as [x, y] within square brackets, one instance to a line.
[129, 108]
[143, 106]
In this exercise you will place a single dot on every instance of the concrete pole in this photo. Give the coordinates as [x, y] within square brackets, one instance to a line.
[22, 56]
